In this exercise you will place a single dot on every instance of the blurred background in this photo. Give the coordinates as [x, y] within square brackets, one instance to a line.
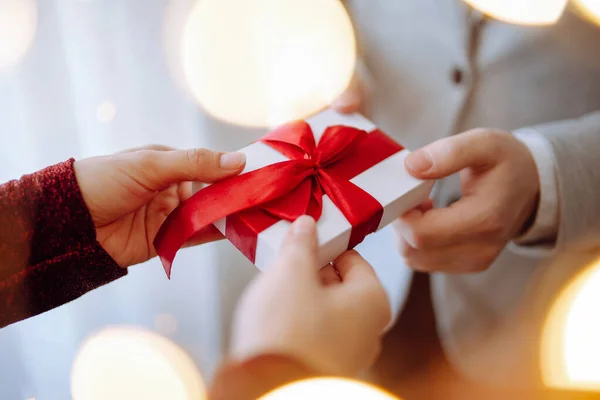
[80, 78]
[89, 77]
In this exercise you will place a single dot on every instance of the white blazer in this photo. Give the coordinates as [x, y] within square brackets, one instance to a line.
[436, 69]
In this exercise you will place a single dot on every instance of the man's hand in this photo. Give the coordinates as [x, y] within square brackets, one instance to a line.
[352, 100]
[500, 189]
[129, 195]
[330, 319]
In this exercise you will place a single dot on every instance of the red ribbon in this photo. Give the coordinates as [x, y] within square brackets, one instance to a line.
[286, 190]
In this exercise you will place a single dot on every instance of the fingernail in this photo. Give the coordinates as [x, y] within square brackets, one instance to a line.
[304, 225]
[419, 161]
[232, 160]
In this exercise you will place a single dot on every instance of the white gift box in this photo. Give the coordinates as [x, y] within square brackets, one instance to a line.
[388, 182]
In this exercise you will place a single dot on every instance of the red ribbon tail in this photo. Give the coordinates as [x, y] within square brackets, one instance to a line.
[216, 202]
[167, 265]
[171, 236]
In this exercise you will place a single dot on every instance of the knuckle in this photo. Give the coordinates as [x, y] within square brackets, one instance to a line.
[487, 257]
[144, 158]
[199, 156]
[422, 240]
[483, 260]
[494, 139]
[495, 143]
[498, 139]
[493, 225]
[487, 134]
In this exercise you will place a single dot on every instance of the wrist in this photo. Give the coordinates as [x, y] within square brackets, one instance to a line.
[305, 348]
[532, 216]
[253, 377]
[542, 221]
[246, 351]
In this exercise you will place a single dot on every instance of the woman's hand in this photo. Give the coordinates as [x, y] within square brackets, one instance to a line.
[330, 319]
[129, 195]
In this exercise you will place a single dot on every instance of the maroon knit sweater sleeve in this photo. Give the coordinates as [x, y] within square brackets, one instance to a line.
[48, 249]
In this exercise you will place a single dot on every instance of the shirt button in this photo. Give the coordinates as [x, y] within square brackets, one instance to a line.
[457, 75]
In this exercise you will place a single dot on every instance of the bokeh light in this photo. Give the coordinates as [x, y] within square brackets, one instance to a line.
[327, 389]
[524, 12]
[106, 111]
[571, 339]
[176, 13]
[129, 363]
[590, 9]
[263, 62]
[18, 24]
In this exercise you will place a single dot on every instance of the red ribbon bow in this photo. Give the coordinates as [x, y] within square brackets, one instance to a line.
[289, 189]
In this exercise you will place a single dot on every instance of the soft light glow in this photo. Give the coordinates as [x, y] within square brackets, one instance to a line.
[176, 14]
[264, 62]
[590, 9]
[127, 363]
[18, 23]
[106, 111]
[327, 389]
[571, 342]
[526, 12]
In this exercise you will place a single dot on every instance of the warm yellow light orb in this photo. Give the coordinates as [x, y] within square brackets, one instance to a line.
[264, 62]
[327, 389]
[525, 12]
[571, 341]
[18, 23]
[590, 9]
[128, 363]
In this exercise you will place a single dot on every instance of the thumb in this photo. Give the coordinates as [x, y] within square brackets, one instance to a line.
[298, 254]
[157, 170]
[359, 281]
[355, 270]
[472, 149]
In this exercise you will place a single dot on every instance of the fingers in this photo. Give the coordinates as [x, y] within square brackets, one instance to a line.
[471, 218]
[467, 257]
[298, 254]
[425, 206]
[474, 149]
[356, 274]
[351, 100]
[156, 170]
[361, 287]
[352, 267]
